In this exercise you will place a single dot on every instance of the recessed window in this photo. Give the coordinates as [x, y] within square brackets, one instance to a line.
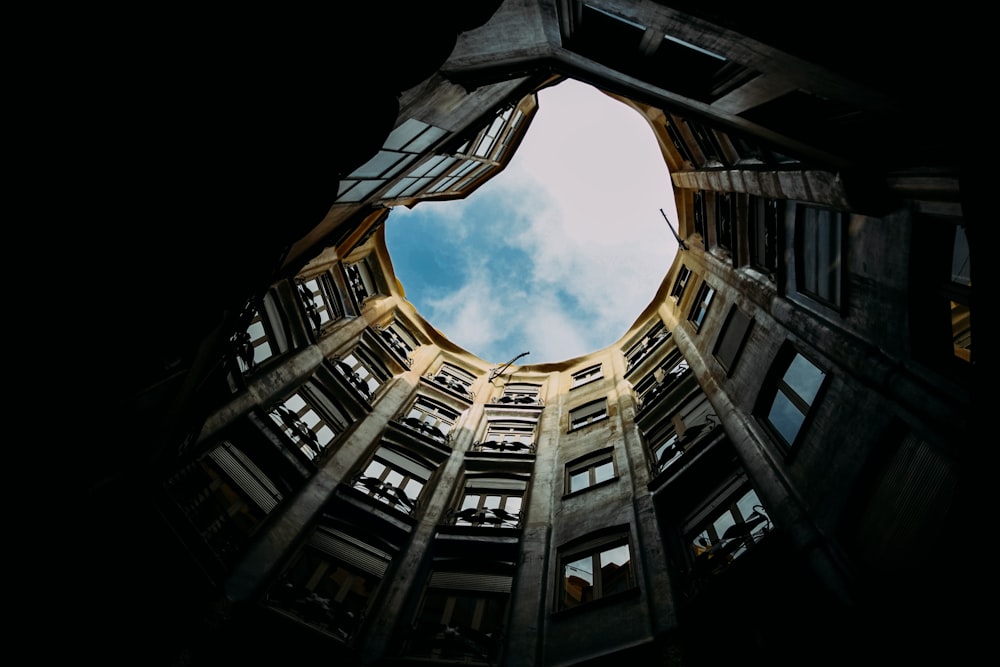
[461, 618]
[360, 282]
[253, 345]
[762, 232]
[303, 424]
[319, 301]
[455, 379]
[399, 341]
[331, 582]
[588, 374]
[491, 500]
[395, 477]
[508, 435]
[362, 372]
[791, 397]
[734, 523]
[680, 283]
[595, 570]
[520, 393]
[819, 240]
[431, 418]
[587, 414]
[645, 346]
[700, 308]
[590, 470]
[732, 338]
[725, 222]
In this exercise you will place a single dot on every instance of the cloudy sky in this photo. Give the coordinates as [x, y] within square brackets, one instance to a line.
[526, 263]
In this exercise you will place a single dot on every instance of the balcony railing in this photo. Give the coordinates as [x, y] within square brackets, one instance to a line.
[455, 644]
[675, 451]
[511, 446]
[386, 493]
[452, 385]
[517, 399]
[661, 388]
[354, 380]
[425, 429]
[487, 516]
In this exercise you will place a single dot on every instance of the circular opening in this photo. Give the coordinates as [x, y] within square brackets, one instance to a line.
[561, 251]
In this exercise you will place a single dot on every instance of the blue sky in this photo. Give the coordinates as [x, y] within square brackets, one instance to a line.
[525, 264]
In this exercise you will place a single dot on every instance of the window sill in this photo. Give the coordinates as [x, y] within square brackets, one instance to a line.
[600, 603]
[574, 429]
[573, 494]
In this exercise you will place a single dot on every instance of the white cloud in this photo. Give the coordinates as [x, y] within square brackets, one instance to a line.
[581, 202]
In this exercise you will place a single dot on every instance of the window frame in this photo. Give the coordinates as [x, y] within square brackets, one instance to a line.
[583, 415]
[587, 375]
[764, 233]
[590, 464]
[680, 283]
[732, 338]
[813, 245]
[702, 303]
[594, 549]
[777, 386]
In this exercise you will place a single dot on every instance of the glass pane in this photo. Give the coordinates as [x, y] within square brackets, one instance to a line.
[579, 480]
[375, 167]
[785, 417]
[374, 469]
[604, 472]
[804, 378]
[404, 134]
[513, 504]
[578, 582]
[616, 570]
[393, 478]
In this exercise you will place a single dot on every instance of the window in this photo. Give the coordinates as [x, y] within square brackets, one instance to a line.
[680, 284]
[590, 470]
[662, 380]
[725, 222]
[319, 301]
[700, 308]
[733, 336]
[508, 435]
[363, 373]
[700, 210]
[395, 477]
[587, 375]
[456, 379]
[587, 414]
[433, 419]
[728, 526]
[762, 229]
[398, 340]
[819, 238]
[305, 426]
[491, 500]
[520, 393]
[360, 282]
[595, 570]
[646, 345]
[461, 617]
[670, 440]
[790, 399]
[331, 582]
[226, 497]
[399, 150]
[252, 346]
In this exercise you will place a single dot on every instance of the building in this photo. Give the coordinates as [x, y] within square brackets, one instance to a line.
[775, 463]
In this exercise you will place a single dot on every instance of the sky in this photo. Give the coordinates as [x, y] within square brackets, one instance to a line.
[525, 263]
